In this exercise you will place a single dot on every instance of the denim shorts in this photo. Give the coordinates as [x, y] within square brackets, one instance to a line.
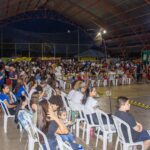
[143, 136]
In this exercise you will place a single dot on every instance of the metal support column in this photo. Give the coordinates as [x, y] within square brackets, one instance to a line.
[29, 50]
[1, 42]
[15, 50]
[78, 44]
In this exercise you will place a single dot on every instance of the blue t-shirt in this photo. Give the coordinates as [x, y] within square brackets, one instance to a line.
[19, 92]
[129, 119]
[12, 74]
[4, 97]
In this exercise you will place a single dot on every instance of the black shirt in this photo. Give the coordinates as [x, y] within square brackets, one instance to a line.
[53, 126]
[129, 119]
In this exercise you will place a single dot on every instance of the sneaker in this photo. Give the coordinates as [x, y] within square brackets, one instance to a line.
[80, 147]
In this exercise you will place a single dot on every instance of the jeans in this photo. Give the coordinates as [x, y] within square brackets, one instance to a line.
[52, 144]
[68, 137]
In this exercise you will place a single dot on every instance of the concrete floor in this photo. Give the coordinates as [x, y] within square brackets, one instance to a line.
[138, 92]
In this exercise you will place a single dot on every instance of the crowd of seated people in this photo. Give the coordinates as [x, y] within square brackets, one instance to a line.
[32, 92]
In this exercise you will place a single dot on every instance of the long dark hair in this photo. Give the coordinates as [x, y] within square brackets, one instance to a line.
[87, 94]
[42, 123]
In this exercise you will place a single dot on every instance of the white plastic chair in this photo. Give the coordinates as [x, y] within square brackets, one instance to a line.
[121, 139]
[13, 97]
[32, 141]
[33, 136]
[88, 125]
[44, 138]
[106, 128]
[79, 109]
[6, 115]
[62, 145]
[66, 104]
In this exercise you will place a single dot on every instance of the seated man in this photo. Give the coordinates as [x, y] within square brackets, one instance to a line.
[7, 100]
[137, 131]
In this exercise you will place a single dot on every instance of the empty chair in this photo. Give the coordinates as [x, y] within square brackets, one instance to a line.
[88, 125]
[106, 128]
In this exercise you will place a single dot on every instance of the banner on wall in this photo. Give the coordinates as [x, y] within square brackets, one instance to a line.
[21, 59]
[51, 58]
[146, 56]
[87, 59]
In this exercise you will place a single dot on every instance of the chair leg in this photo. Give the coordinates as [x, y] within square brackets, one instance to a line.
[30, 144]
[5, 123]
[83, 134]
[121, 146]
[97, 136]
[125, 147]
[77, 128]
[110, 137]
[117, 142]
[87, 135]
[105, 142]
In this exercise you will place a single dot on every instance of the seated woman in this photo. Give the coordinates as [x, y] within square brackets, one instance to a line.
[4, 96]
[48, 121]
[91, 104]
[137, 131]
[19, 89]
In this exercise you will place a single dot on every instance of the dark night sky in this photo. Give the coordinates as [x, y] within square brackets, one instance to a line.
[46, 30]
[42, 26]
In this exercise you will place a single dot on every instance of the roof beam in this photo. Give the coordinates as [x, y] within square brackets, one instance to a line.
[95, 19]
[18, 7]
[28, 5]
[7, 7]
[129, 46]
[37, 4]
[125, 38]
[88, 6]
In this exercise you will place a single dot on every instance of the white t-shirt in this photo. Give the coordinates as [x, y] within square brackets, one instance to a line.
[90, 104]
[76, 97]
[70, 94]
[58, 69]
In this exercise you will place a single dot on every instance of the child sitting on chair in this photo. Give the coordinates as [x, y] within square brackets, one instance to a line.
[70, 138]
